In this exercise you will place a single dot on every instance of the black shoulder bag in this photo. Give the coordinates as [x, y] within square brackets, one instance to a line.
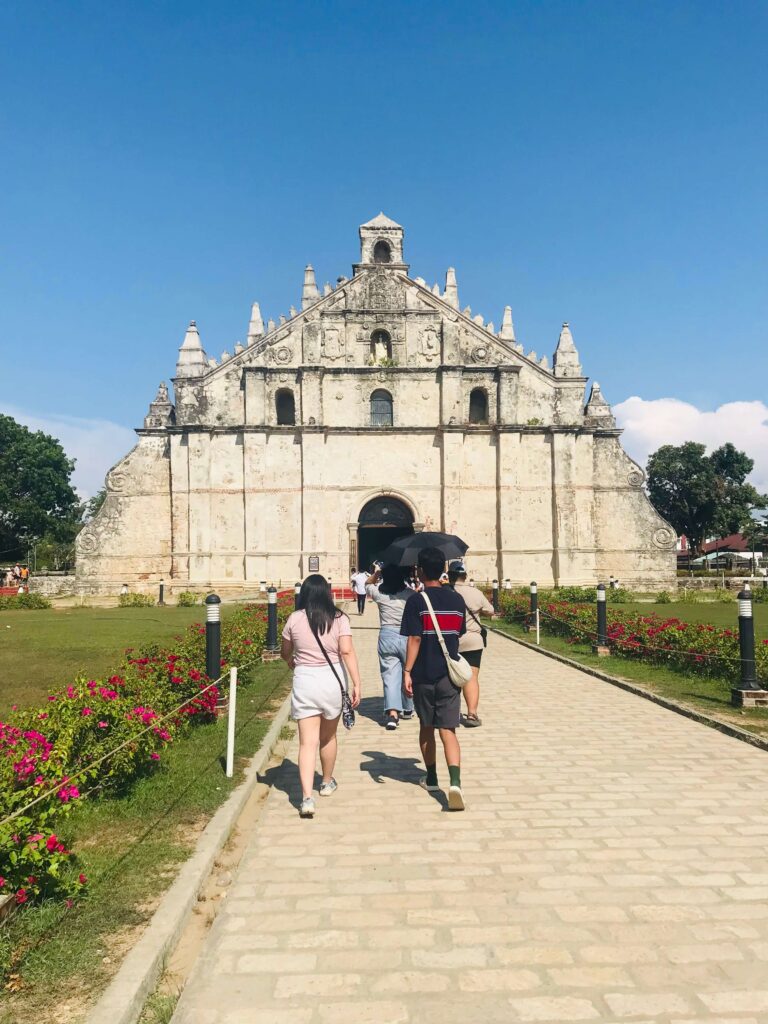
[347, 711]
[483, 630]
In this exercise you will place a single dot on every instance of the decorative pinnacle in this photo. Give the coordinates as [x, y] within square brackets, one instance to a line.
[507, 327]
[256, 326]
[309, 292]
[565, 361]
[451, 294]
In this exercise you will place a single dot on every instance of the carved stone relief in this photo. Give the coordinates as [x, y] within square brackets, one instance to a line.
[333, 345]
[429, 344]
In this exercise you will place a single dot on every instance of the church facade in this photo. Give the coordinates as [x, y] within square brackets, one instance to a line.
[377, 408]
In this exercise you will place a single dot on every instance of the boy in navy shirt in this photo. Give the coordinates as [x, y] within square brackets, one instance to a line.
[436, 699]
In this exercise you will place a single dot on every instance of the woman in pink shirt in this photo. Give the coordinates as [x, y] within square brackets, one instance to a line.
[316, 629]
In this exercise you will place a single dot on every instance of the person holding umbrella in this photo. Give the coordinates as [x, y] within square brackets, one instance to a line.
[436, 699]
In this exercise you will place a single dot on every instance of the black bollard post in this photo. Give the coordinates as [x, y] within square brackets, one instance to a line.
[601, 647]
[747, 642]
[495, 599]
[271, 619]
[161, 599]
[213, 636]
[534, 598]
[296, 592]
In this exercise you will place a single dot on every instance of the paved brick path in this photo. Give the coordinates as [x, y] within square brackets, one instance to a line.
[612, 865]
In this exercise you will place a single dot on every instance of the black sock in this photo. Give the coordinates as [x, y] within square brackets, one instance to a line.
[431, 774]
[454, 770]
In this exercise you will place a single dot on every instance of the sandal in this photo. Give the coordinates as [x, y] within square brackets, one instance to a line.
[470, 721]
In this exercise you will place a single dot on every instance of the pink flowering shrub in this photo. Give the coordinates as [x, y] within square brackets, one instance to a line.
[689, 647]
[132, 715]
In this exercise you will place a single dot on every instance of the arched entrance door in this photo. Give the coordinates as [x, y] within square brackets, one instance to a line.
[381, 521]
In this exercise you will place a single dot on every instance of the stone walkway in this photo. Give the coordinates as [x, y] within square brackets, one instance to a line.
[612, 865]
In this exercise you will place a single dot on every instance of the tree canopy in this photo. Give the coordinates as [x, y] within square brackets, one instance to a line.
[36, 496]
[703, 495]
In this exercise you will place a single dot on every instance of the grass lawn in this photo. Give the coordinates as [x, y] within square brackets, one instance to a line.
[724, 616]
[130, 849]
[710, 696]
[42, 650]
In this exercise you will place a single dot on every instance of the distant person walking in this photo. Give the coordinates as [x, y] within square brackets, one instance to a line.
[316, 639]
[436, 699]
[359, 580]
[388, 590]
[472, 643]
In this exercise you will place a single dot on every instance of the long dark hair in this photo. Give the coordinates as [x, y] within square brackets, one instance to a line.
[392, 579]
[316, 600]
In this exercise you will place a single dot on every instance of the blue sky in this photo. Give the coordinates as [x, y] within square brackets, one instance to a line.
[596, 162]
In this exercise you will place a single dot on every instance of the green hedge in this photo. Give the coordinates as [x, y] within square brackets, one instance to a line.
[19, 602]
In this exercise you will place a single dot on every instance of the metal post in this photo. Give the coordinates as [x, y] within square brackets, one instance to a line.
[161, 599]
[534, 598]
[213, 636]
[271, 644]
[747, 642]
[231, 722]
[296, 592]
[602, 618]
[496, 605]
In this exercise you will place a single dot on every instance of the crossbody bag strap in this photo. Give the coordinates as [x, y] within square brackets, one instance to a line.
[330, 663]
[434, 623]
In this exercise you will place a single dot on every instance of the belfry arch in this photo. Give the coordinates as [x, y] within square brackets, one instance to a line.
[382, 519]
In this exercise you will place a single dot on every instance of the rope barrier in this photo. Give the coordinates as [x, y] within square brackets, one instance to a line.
[104, 757]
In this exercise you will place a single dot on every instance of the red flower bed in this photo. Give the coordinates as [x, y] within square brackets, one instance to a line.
[689, 647]
[58, 751]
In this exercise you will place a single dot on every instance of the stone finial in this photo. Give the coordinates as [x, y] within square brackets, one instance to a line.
[309, 293]
[507, 327]
[420, 281]
[256, 326]
[597, 412]
[532, 356]
[544, 363]
[161, 412]
[270, 326]
[518, 347]
[467, 311]
[436, 289]
[239, 348]
[327, 288]
[192, 361]
[282, 319]
[451, 295]
[565, 361]
[225, 356]
[490, 326]
[478, 319]
[213, 361]
[292, 312]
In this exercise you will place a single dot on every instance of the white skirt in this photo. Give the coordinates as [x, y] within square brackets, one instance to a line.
[316, 691]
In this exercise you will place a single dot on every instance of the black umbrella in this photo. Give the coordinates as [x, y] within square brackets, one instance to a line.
[405, 551]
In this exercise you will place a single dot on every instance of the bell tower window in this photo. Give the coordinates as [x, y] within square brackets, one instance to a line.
[478, 406]
[381, 408]
[381, 346]
[285, 407]
[382, 252]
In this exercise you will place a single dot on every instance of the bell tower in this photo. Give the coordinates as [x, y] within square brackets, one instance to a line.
[381, 245]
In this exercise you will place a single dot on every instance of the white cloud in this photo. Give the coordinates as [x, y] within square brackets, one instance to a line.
[95, 444]
[650, 424]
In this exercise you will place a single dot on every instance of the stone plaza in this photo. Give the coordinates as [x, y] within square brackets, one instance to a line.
[379, 407]
[610, 867]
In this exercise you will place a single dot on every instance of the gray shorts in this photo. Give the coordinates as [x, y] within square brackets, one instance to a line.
[438, 704]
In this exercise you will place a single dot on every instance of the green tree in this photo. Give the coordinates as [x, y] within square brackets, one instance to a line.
[36, 496]
[701, 495]
[92, 506]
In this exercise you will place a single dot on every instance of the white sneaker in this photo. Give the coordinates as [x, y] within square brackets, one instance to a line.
[307, 809]
[455, 799]
[329, 787]
[424, 785]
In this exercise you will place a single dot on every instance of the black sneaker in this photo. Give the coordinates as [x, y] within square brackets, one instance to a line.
[393, 721]
[407, 715]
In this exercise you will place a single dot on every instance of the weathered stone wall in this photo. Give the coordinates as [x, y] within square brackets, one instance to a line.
[217, 493]
[58, 585]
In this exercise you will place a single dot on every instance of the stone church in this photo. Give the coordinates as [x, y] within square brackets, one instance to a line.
[378, 408]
